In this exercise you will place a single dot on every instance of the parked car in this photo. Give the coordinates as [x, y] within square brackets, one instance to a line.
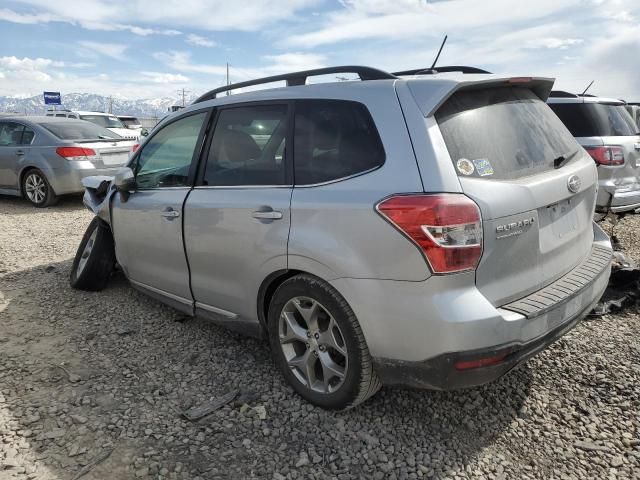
[101, 119]
[427, 231]
[605, 129]
[42, 158]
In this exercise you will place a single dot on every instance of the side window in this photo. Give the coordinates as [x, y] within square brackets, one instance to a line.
[166, 157]
[248, 147]
[10, 134]
[27, 136]
[334, 139]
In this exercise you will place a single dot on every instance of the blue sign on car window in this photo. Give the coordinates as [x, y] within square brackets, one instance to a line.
[52, 98]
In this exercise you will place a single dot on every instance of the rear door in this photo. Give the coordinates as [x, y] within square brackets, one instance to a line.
[237, 218]
[147, 226]
[533, 183]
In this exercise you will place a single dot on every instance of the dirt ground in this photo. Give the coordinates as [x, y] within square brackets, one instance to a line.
[94, 384]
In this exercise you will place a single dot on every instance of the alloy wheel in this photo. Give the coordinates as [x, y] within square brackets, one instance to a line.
[313, 345]
[35, 187]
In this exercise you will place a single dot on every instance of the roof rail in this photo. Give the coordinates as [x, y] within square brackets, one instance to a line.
[562, 94]
[300, 78]
[445, 69]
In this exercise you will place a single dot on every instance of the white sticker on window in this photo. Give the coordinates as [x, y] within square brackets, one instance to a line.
[465, 166]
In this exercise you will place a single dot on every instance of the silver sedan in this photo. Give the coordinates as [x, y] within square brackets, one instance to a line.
[42, 158]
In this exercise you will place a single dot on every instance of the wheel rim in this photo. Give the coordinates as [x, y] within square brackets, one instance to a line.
[35, 188]
[313, 345]
[88, 248]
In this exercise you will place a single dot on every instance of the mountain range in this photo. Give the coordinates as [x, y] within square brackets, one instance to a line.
[150, 107]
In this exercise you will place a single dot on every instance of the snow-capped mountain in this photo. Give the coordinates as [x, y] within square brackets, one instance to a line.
[151, 107]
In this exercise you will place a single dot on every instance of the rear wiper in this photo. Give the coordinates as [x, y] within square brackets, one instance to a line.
[563, 159]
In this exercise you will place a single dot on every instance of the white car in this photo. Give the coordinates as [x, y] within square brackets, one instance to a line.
[105, 120]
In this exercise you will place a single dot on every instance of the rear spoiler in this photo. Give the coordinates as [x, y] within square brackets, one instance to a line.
[430, 100]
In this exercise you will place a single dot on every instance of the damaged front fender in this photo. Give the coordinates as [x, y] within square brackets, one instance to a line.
[97, 196]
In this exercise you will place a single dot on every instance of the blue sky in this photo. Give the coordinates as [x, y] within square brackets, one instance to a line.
[146, 48]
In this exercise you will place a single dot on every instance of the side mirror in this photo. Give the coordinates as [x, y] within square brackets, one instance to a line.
[144, 132]
[125, 182]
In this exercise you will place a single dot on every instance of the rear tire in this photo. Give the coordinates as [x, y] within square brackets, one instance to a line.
[318, 344]
[95, 259]
[37, 190]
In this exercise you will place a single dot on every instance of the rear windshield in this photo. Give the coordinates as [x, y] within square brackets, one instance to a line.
[596, 119]
[502, 133]
[78, 130]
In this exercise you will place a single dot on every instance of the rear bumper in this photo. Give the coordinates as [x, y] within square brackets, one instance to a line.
[69, 179]
[618, 197]
[440, 373]
[418, 331]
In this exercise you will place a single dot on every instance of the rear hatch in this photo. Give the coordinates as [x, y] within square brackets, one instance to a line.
[533, 183]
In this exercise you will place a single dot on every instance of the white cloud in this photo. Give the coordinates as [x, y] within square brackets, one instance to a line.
[158, 77]
[200, 41]
[202, 14]
[25, 18]
[111, 50]
[181, 61]
[554, 42]
[411, 21]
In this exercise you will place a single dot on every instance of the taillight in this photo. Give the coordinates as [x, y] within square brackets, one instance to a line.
[135, 147]
[446, 227]
[480, 362]
[76, 153]
[607, 155]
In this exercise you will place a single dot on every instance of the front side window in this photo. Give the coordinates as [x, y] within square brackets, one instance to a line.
[10, 134]
[165, 159]
[248, 147]
[334, 139]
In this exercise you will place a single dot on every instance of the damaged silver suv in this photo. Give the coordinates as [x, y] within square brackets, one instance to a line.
[424, 230]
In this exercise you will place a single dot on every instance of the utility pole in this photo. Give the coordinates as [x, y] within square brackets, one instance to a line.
[183, 94]
[110, 104]
[228, 78]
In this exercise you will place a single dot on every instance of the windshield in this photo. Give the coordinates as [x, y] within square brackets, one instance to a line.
[77, 130]
[502, 133]
[103, 121]
[596, 119]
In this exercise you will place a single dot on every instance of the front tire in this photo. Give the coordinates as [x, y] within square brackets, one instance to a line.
[318, 344]
[37, 190]
[95, 259]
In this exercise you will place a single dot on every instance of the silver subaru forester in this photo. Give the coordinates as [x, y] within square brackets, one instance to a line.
[428, 230]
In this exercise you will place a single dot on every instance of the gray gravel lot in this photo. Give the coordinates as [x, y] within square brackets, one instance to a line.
[86, 375]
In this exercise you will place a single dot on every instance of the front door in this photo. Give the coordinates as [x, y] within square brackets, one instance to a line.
[147, 226]
[237, 217]
[13, 148]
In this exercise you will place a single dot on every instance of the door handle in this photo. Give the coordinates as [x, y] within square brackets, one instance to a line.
[267, 215]
[170, 213]
[20, 152]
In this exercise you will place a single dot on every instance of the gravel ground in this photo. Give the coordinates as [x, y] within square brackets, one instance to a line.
[95, 382]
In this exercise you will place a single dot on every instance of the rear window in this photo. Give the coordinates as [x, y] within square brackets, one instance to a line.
[595, 119]
[78, 130]
[502, 133]
[334, 139]
[130, 121]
